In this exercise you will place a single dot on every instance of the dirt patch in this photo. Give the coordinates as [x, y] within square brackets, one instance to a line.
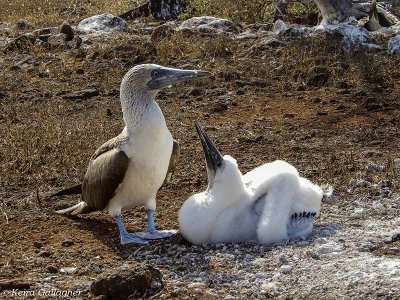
[257, 109]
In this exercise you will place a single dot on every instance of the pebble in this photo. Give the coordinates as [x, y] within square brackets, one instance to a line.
[196, 285]
[371, 167]
[330, 248]
[68, 270]
[360, 183]
[286, 269]
[358, 213]
[45, 253]
[396, 162]
[67, 243]
[52, 269]
[37, 245]
[281, 260]
[377, 205]
[96, 268]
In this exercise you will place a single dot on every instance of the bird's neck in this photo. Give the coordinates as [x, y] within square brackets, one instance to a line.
[134, 108]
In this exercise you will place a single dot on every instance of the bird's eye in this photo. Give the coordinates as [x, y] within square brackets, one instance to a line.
[155, 74]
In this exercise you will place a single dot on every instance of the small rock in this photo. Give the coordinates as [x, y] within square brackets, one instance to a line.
[57, 39]
[84, 94]
[394, 45]
[312, 254]
[360, 183]
[281, 260]
[80, 71]
[269, 288]
[15, 68]
[396, 162]
[14, 284]
[288, 116]
[371, 167]
[342, 85]
[45, 31]
[37, 244]
[286, 269]
[45, 253]
[358, 213]
[67, 243]
[196, 285]
[24, 25]
[329, 249]
[193, 91]
[52, 269]
[103, 23]
[319, 76]
[22, 43]
[68, 270]
[66, 29]
[75, 42]
[164, 30]
[44, 37]
[127, 280]
[210, 25]
[220, 107]
[280, 27]
[377, 205]
[96, 268]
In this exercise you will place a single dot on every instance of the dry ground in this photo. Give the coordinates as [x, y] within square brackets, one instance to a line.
[256, 108]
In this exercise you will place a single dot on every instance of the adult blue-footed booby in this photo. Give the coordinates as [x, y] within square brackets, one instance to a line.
[129, 169]
[269, 204]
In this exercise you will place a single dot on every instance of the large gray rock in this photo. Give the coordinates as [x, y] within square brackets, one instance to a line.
[354, 37]
[394, 45]
[104, 23]
[129, 281]
[209, 25]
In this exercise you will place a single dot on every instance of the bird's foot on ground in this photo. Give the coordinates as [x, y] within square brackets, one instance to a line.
[132, 238]
[156, 234]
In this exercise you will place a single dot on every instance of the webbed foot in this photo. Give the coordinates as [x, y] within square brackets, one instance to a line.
[156, 234]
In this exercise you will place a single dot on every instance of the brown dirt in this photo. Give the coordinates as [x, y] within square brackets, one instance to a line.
[329, 133]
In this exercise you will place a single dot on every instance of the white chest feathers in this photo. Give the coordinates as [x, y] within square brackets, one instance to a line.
[149, 150]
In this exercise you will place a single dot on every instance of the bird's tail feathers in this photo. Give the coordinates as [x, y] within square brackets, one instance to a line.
[80, 208]
[73, 190]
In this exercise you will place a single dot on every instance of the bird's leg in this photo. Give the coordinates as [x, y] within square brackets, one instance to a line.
[150, 220]
[125, 236]
[151, 232]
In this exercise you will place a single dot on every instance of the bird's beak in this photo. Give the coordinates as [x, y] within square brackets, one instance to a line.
[169, 76]
[214, 159]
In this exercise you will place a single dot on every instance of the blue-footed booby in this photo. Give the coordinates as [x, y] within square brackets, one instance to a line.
[129, 169]
[269, 204]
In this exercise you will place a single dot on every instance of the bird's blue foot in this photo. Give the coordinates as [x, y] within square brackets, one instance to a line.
[156, 234]
[125, 236]
[152, 233]
[132, 238]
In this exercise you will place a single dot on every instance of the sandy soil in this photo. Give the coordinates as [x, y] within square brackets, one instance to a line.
[255, 111]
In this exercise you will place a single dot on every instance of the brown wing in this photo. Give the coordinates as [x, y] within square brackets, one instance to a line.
[173, 162]
[105, 173]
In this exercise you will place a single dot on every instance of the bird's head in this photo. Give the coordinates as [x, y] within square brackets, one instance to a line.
[199, 214]
[149, 79]
[223, 172]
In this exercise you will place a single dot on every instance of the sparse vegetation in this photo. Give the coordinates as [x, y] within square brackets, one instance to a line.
[306, 101]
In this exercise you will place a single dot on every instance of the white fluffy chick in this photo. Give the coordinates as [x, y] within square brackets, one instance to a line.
[269, 204]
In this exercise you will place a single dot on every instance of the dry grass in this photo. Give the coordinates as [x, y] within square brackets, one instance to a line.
[53, 12]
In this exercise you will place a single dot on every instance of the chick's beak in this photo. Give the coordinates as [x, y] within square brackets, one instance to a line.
[214, 159]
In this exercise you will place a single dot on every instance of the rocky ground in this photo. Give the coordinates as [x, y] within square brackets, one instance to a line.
[330, 110]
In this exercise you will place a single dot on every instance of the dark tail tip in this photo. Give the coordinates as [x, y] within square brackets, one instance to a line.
[74, 190]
